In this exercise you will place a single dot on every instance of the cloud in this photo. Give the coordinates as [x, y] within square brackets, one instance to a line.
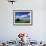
[23, 16]
[20, 17]
[17, 16]
[29, 14]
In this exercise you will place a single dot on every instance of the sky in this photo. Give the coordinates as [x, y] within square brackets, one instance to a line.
[23, 15]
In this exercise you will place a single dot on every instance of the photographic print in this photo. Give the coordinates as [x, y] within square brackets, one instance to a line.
[22, 17]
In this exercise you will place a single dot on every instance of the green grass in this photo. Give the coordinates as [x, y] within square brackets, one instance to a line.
[22, 21]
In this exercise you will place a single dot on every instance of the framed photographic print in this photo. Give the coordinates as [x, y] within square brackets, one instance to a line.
[22, 17]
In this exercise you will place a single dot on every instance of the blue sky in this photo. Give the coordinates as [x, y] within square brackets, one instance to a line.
[23, 15]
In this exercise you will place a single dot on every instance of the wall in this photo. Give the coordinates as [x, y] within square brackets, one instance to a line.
[37, 31]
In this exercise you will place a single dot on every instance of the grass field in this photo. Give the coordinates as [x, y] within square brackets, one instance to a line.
[22, 21]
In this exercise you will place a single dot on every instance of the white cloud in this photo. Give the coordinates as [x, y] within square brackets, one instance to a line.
[17, 16]
[22, 16]
[29, 14]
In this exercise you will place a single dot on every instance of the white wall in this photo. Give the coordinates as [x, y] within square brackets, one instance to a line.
[38, 30]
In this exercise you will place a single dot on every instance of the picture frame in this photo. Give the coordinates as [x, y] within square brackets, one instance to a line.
[22, 17]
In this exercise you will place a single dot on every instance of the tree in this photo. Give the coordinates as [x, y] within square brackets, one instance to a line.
[18, 19]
